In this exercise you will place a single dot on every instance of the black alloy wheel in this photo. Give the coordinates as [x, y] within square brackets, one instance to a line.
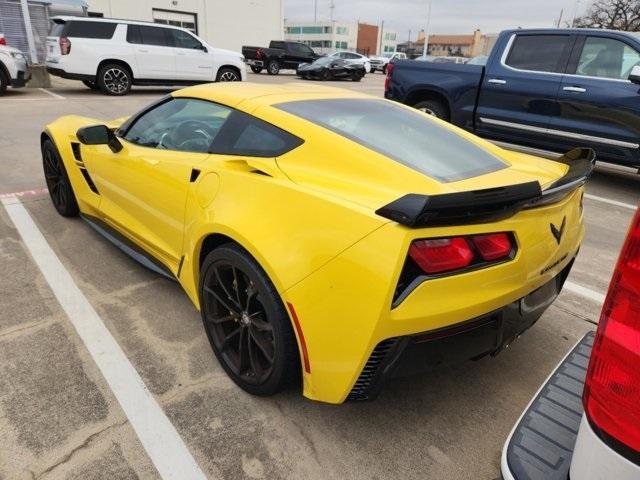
[356, 76]
[246, 323]
[58, 183]
[326, 74]
[256, 69]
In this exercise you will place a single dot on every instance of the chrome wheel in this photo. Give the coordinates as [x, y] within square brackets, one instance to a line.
[229, 76]
[428, 111]
[237, 322]
[116, 80]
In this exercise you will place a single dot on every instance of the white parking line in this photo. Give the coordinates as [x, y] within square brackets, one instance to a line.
[54, 95]
[585, 292]
[610, 202]
[158, 436]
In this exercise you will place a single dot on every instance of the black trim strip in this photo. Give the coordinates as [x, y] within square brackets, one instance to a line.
[127, 247]
[491, 204]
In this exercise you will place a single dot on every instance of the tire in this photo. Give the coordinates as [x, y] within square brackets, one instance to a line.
[356, 76]
[433, 107]
[255, 69]
[384, 70]
[90, 84]
[4, 82]
[114, 79]
[230, 279]
[60, 189]
[273, 67]
[325, 75]
[227, 74]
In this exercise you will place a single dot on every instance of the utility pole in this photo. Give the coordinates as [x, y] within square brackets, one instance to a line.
[381, 38]
[575, 12]
[560, 18]
[332, 6]
[315, 11]
[26, 18]
[426, 31]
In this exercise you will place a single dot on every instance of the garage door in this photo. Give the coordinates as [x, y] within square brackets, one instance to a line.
[177, 19]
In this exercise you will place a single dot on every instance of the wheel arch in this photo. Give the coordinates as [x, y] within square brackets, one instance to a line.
[5, 71]
[117, 62]
[424, 94]
[232, 67]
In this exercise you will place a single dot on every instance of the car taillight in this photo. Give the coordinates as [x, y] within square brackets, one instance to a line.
[493, 246]
[440, 255]
[65, 45]
[611, 394]
[258, 54]
[387, 80]
[3, 41]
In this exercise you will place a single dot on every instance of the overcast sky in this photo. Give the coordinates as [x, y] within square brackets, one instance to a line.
[447, 16]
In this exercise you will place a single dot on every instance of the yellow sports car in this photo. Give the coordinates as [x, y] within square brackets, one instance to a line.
[326, 234]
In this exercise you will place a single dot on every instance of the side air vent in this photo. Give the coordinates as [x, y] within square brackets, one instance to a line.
[366, 381]
[89, 181]
[75, 147]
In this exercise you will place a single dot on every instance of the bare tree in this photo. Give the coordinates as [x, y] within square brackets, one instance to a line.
[613, 14]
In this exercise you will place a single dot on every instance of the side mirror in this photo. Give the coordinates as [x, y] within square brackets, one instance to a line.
[203, 48]
[634, 76]
[99, 135]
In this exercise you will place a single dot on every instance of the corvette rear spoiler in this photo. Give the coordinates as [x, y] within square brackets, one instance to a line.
[491, 204]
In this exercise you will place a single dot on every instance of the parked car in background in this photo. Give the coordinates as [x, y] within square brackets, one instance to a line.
[281, 55]
[478, 60]
[327, 68]
[380, 62]
[425, 58]
[14, 68]
[112, 55]
[584, 422]
[551, 89]
[354, 59]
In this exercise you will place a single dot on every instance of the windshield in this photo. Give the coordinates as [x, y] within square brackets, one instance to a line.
[324, 61]
[406, 136]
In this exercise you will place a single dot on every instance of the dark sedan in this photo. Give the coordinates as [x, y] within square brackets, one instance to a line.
[327, 68]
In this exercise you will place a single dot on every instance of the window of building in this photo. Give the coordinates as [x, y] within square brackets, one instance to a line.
[540, 53]
[389, 48]
[176, 19]
[327, 29]
[342, 30]
[293, 30]
[313, 30]
[390, 36]
[607, 58]
[341, 45]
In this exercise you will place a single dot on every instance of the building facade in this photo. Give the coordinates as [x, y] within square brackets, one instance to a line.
[221, 23]
[451, 45]
[323, 37]
[328, 36]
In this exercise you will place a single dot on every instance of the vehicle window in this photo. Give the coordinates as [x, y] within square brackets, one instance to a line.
[352, 56]
[79, 29]
[181, 39]
[142, 34]
[280, 45]
[246, 135]
[56, 29]
[541, 53]
[607, 58]
[406, 136]
[182, 124]
[299, 49]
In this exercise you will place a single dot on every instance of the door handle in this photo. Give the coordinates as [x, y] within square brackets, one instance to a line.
[142, 50]
[574, 89]
[497, 81]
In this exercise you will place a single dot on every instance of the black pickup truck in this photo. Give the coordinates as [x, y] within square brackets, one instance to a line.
[280, 55]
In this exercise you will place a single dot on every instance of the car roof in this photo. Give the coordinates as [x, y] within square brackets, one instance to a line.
[69, 18]
[582, 31]
[246, 95]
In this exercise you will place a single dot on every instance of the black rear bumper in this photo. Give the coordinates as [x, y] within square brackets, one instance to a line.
[58, 72]
[541, 445]
[471, 340]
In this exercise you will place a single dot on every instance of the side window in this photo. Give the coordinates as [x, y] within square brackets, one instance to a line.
[541, 53]
[246, 135]
[153, 36]
[607, 58]
[99, 30]
[133, 34]
[181, 39]
[181, 124]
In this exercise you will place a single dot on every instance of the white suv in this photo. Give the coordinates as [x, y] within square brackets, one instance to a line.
[14, 68]
[112, 55]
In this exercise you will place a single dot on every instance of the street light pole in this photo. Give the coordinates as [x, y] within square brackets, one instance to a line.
[575, 13]
[426, 32]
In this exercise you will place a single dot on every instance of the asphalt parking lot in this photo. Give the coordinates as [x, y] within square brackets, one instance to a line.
[60, 418]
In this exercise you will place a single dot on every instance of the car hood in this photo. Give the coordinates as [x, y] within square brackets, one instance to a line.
[7, 49]
[223, 53]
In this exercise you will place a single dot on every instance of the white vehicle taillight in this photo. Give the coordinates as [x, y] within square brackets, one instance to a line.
[611, 395]
[65, 45]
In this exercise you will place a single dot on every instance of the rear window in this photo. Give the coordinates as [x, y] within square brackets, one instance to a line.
[79, 29]
[541, 53]
[401, 134]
